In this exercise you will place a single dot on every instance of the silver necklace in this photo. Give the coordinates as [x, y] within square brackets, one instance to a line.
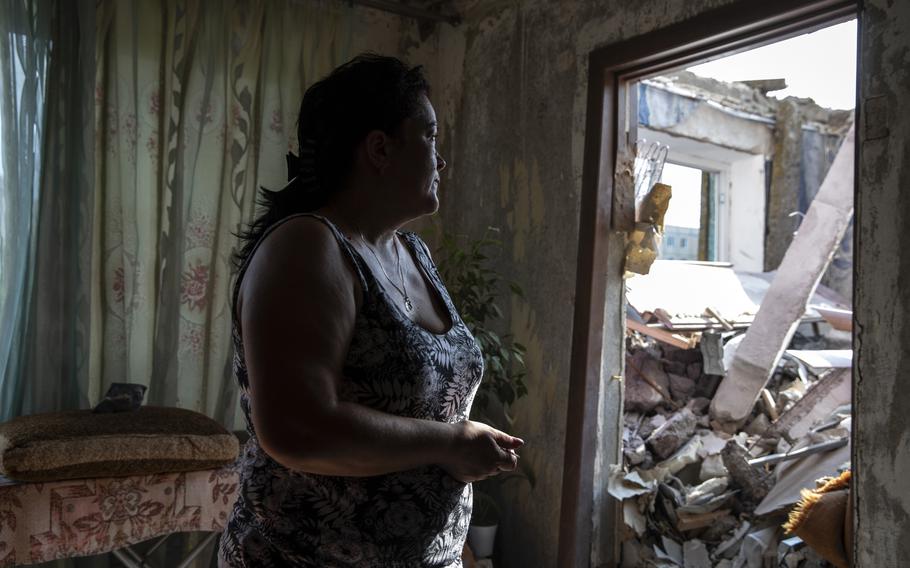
[408, 306]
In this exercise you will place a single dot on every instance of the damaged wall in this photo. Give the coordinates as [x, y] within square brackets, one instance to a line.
[707, 118]
[516, 163]
[882, 294]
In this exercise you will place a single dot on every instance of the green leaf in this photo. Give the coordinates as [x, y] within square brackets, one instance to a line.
[469, 269]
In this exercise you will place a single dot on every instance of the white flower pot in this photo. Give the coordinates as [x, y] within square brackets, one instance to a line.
[481, 540]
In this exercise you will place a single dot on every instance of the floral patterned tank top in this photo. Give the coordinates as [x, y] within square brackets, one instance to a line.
[415, 518]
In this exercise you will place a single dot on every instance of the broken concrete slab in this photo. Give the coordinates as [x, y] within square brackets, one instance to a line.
[729, 548]
[758, 426]
[635, 452]
[755, 544]
[681, 387]
[712, 466]
[785, 303]
[649, 425]
[820, 360]
[686, 455]
[706, 504]
[695, 554]
[730, 348]
[713, 487]
[672, 550]
[830, 392]
[790, 395]
[699, 405]
[700, 520]
[719, 529]
[675, 432]
[633, 518]
[639, 393]
[712, 349]
[712, 442]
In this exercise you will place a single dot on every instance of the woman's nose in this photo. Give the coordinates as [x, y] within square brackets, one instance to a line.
[440, 163]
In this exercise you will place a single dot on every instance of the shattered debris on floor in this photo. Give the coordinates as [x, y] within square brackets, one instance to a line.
[697, 493]
[737, 400]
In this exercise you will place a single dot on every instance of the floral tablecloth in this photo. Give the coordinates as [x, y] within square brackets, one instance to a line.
[45, 521]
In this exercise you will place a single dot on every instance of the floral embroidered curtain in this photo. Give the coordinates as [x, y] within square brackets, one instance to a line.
[195, 107]
[135, 136]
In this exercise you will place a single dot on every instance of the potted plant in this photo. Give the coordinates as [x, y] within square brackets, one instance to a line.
[484, 522]
[475, 289]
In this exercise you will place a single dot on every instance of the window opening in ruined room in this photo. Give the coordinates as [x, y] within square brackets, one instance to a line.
[690, 227]
[745, 143]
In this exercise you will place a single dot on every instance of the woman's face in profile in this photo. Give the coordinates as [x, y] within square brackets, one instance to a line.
[415, 164]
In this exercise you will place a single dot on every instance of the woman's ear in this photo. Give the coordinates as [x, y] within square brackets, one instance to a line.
[377, 146]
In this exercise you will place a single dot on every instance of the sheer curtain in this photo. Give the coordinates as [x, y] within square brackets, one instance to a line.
[24, 46]
[134, 138]
[196, 106]
[135, 135]
[46, 60]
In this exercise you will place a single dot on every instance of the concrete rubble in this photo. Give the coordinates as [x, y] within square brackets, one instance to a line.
[804, 263]
[695, 494]
[737, 387]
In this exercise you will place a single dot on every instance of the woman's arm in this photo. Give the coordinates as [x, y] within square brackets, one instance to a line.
[298, 303]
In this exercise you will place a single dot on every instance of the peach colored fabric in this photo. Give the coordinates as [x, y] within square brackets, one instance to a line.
[45, 521]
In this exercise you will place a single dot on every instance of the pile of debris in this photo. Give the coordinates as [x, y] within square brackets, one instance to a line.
[730, 412]
[702, 482]
[696, 494]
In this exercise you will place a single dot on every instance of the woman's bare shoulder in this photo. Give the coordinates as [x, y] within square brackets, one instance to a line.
[301, 252]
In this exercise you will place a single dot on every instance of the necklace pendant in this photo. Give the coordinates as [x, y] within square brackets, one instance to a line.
[407, 304]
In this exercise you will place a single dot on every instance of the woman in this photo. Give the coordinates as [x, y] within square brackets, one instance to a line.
[356, 372]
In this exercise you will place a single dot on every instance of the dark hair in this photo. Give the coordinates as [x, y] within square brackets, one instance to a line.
[369, 92]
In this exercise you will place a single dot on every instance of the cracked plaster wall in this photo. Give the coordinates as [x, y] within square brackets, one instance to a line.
[882, 292]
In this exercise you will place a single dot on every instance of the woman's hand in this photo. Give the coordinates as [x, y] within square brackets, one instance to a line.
[480, 451]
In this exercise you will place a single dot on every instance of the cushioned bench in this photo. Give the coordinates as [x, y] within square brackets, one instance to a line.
[89, 483]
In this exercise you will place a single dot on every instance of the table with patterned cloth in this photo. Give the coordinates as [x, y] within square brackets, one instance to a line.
[46, 521]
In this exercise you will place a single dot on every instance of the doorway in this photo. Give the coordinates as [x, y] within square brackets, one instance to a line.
[589, 524]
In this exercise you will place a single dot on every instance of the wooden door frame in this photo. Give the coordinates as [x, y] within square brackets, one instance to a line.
[589, 521]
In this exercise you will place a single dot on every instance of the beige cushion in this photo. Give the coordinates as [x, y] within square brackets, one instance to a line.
[80, 444]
